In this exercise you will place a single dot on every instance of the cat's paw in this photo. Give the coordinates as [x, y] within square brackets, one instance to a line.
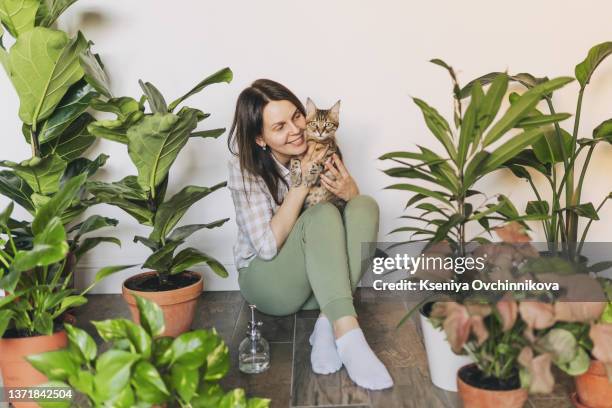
[295, 169]
[312, 176]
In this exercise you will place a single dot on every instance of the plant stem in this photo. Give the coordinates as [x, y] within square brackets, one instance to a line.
[34, 142]
[586, 228]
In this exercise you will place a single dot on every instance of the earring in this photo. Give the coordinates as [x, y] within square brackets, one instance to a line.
[264, 147]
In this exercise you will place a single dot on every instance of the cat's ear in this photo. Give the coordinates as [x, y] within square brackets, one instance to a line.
[334, 111]
[311, 109]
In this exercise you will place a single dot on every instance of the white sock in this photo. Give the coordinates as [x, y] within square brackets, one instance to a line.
[362, 365]
[324, 357]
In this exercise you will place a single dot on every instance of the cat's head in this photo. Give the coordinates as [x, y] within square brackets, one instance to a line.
[321, 124]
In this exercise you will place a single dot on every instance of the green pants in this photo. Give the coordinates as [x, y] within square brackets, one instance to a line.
[320, 263]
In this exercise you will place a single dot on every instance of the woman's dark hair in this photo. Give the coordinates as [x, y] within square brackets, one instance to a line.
[248, 124]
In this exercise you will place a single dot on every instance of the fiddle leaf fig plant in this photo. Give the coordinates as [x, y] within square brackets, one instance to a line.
[142, 369]
[558, 159]
[56, 79]
[37, 289]
[154, 140]
[478, 145]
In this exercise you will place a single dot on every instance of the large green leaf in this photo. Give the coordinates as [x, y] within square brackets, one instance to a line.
[18, 15]
[42, 175]
[510, 148]
[223, 75]
[522, 107]
[549, 150]
[58, 203]
[81, 342]
[492, 102]
[148, 383]
[50, 10]
[56, 365]
[43, 65]
[83, 165]
[604, 131]
[420, 190]
[94, 72]
[185, 231]
[71, 107]
[151, 316]
[128, 113]
[171, 211]
[155, 142]
[93, 223]
[161, 260]
[90, 243]
[596, 55]
[185, 381]
[438, 126]
[127, 188]
[469, 124]
[191, 256]
[190, 349]
[73, 142]
[50, 246]
[157, 103]
[113, 370]
[16, 189]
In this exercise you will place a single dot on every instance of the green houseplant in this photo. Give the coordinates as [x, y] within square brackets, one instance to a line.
[449, 202]
[55, 78]
[142, 369]
[558, 158]
[154, 141]
[469, 156]
[37, 291]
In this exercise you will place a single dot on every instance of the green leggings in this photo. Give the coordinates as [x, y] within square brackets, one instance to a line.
[320, 263]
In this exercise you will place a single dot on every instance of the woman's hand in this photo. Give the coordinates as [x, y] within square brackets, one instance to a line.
[343, 186]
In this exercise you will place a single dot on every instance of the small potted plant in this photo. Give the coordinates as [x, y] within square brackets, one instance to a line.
[140, 368]
[577, 338]
[154, 141]
[492, 335]
[36, 287]
[448, 200]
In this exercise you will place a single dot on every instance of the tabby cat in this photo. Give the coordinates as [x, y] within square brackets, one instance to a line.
[320, 134]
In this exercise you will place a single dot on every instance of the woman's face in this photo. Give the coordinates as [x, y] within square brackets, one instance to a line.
[283, 130]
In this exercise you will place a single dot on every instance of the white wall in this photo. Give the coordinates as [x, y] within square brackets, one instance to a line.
[371, 54]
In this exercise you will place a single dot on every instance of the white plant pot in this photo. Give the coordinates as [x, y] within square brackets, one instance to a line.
[443, 363]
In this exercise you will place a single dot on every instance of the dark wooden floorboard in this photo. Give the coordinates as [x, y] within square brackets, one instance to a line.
[290, 381]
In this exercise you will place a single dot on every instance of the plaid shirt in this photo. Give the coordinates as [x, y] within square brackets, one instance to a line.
[254, 209]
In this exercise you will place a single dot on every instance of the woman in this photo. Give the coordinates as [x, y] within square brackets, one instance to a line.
[287, 261]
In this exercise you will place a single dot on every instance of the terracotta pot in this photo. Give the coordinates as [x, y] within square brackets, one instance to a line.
[593, 388]
[16, 371]
[474, 397]
[178, 305]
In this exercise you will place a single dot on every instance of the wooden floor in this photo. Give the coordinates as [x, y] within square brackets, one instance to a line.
[290, 382]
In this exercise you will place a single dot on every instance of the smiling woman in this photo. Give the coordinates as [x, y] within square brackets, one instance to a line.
[288, 260]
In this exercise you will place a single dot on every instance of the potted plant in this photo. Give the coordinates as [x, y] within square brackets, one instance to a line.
[450, 204]
[36, 287]
[575, 337]
[154, 141]
[140, 368]
[562, 158]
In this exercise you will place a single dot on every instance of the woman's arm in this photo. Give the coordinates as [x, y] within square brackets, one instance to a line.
[287, 214]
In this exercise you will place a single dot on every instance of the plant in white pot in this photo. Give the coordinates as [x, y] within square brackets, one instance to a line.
[154, 141]
[449, 201]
